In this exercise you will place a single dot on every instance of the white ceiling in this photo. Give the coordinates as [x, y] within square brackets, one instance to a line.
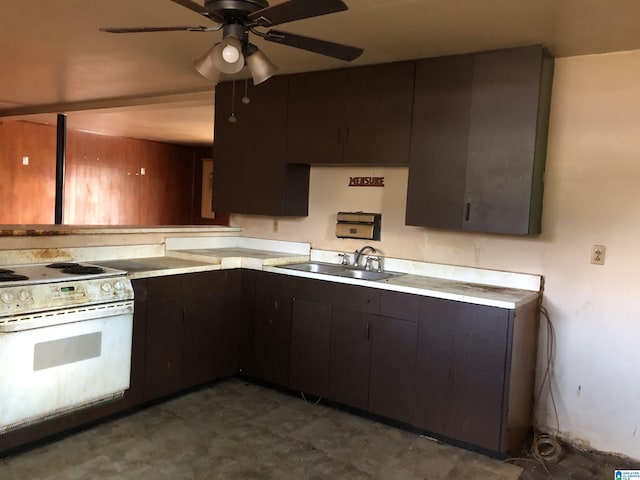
[55, 59]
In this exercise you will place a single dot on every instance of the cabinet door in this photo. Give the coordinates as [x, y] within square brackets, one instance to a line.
[393, 360]
[315, 127]
[247, 314]
[350, 357]
[227, 341]
[378, 103]
[433, 386]
[478, 373]
[229, 167]
[310, 339]
[502, 140]
[271, 328]
[204, 303]
[165, 331]
[249, 155]
[439, 142]
[135, 395]
[460, 374]
[163, 355]
[479, 141]
[271, 338]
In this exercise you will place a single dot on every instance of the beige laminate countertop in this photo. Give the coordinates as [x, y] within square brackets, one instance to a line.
[158, 266]
[199, 260]
[467, 292]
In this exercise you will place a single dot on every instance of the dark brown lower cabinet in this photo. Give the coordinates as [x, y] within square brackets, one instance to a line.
[227, 339]
[454, 369]
[165, 337]
[192, 335]
[393, 361]
[271, 340]
[462, 367]
[208, 335]
[310, 340]
[350, 357]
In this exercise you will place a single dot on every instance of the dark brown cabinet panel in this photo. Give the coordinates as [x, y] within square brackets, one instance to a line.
[163, 355]
[204, 305]
[439, 145]
[310, 340]
[316, 111]
[350, 357]
[192, 335]
[478, 375]
[164, 340]
[478, 145]
[460, 371]
[247, 314]
[506, 157]
[378, 114]
[135, 395]
[356, 298]
[250, 175]
[354, 116]
[227, 339]
[393, 360]
[271, 329]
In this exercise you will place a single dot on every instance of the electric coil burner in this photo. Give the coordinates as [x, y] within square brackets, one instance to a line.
[61, 265]
[65, 331]
[76, 268]
[10, 276]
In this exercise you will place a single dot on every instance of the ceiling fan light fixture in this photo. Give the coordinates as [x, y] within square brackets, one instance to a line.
[260, 66]
[227, 55]
[205, 66]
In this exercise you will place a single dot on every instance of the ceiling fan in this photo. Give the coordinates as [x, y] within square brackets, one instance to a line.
[238, 18]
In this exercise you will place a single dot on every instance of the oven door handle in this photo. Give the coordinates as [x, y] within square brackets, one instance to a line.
[66, 315]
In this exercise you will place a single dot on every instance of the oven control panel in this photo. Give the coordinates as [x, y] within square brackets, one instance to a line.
[16, 300]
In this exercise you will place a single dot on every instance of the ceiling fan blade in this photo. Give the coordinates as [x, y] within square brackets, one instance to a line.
[156, 29]
[296, 10]
[196, 7]
[330, 49]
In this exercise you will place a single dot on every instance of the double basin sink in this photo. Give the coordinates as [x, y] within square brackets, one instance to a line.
[340, 271]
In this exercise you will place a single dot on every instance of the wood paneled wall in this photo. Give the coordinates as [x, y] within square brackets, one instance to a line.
[108, 180]
[27, 192]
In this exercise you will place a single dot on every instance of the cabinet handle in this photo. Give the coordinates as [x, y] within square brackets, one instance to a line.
[467, 212]
[339, 136]
[368, 330]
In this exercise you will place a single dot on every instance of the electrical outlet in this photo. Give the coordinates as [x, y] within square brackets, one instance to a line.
[597, 254]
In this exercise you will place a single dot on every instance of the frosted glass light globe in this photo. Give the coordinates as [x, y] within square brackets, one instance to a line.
[230, 54]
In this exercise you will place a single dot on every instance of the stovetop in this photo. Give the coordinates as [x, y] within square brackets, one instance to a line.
[26, 289]
[12, 275]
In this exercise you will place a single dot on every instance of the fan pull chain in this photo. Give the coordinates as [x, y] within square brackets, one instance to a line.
[246, 98]
[232, 117]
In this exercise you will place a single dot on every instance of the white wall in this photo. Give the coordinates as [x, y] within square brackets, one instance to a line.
[592, 196]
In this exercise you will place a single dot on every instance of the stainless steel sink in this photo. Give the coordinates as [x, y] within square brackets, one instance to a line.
[364, 274]
[315, 267]
[340, 271]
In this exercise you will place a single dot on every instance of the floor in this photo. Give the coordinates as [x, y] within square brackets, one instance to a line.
[239, 430]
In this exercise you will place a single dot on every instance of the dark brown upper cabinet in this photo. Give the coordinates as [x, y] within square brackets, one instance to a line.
[356, 115]
[479, 139]
[250, 175]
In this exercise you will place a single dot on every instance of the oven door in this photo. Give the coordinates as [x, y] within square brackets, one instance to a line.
[50, 371]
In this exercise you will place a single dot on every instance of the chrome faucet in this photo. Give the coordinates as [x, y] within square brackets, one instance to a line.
[358, 253]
